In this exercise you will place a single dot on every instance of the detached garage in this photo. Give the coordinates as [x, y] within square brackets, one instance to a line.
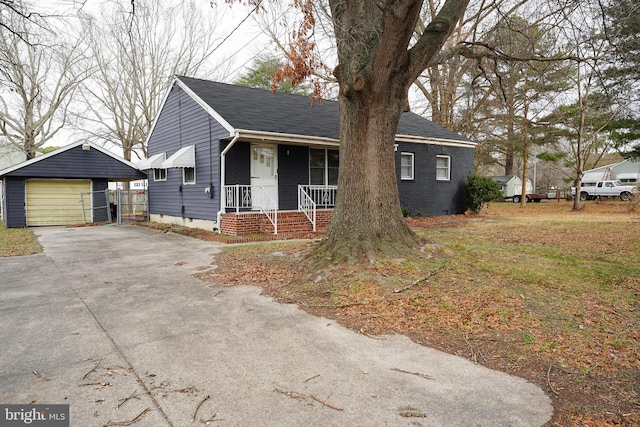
[63, 186]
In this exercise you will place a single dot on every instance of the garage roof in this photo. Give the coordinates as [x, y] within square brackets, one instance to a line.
[77, 160]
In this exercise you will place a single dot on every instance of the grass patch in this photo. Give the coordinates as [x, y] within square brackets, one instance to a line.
[541, 292]
[17, 242]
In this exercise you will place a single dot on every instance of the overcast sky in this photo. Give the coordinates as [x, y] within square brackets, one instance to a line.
[239, 39]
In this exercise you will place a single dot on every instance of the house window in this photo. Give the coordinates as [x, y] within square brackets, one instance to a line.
[323, 166]
[189, 176]
[406, 166]
[159, 174]
[443, 168]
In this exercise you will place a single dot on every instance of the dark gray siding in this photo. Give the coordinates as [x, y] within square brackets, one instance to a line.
[182, 123]
[238, 164]
[100, 200]
[78, 163]
[424, 194]
[293, 170]
[14, 214]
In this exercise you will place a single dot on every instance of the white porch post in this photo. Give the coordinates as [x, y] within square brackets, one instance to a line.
[223, 170]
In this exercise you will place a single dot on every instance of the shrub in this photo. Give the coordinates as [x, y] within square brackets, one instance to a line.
[478, 191]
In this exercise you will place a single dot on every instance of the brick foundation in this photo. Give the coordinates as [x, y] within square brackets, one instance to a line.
[289, 222]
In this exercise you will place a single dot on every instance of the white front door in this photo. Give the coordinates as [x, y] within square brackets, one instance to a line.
[264, 173]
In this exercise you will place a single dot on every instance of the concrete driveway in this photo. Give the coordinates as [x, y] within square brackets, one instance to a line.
[111, 321]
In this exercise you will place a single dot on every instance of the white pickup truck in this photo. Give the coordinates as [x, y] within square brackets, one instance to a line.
[606, 189]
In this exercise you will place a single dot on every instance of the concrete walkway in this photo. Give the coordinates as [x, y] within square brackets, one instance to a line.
[111, 321]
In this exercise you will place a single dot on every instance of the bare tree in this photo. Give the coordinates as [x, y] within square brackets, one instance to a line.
[39, 73]
[591, 112]
[136, 53]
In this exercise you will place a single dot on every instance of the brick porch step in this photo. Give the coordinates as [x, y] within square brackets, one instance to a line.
[289, 223]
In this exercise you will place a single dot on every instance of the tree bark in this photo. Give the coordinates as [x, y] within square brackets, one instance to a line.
[376, 68]
[367, 220]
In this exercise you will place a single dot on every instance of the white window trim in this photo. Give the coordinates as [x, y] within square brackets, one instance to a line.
[159, 179]
[184, 180]
[413, 166]
[448, 178]
[325, 173]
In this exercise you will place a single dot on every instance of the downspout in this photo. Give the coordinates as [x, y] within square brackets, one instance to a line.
[223, 193]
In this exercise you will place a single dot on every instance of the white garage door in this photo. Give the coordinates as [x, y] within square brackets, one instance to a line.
[56, 202]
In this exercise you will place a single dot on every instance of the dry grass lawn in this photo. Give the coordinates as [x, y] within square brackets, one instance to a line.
[541, 292]
[17, 242]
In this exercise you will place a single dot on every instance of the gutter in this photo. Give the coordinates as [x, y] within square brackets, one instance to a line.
[223, 170]
[436, 141]
[287, 138]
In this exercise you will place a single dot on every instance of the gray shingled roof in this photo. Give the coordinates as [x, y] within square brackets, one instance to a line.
[261, 110]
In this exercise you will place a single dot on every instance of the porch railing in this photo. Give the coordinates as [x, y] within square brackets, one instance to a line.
[307, 206]
[312, 197]
[252, 197]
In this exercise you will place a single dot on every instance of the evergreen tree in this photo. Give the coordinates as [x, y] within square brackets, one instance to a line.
[623, 33]
[261, 76]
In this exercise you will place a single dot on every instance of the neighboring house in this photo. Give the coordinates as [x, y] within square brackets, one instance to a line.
[626, 171]
[511, 185]
[140, 184]
[63, 187]
[229, 157]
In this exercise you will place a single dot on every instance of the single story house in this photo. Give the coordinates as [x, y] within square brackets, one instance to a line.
[240, 160]
[63, 187]
[511, 185]
[626, 171]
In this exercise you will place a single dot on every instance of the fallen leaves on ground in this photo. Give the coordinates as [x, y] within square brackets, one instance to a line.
[478, 291]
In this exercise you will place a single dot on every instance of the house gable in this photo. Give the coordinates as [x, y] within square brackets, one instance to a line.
[181, 123]
[80, 160]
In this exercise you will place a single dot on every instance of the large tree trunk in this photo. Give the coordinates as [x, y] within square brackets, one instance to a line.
[368, 219]
[376, 68]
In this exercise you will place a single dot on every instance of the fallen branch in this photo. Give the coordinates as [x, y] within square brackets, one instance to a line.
[40, 376]
[100, 384]
[128, 423]
[291, 394]
[292, 300]
[413, 414]
[473, 353]
[351, 304]
[325, 403]
[195, 413]
[211, 419]
[309, 379]
[549, 381]
[92, 370]
[126, 399]
[422, 279]
[373, 337]
[425, 376]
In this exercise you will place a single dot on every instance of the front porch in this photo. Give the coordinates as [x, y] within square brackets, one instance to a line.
[251, 209]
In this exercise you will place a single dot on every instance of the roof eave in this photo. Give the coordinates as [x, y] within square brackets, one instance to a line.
[436, 141]
[274, 137]
[283, 138]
